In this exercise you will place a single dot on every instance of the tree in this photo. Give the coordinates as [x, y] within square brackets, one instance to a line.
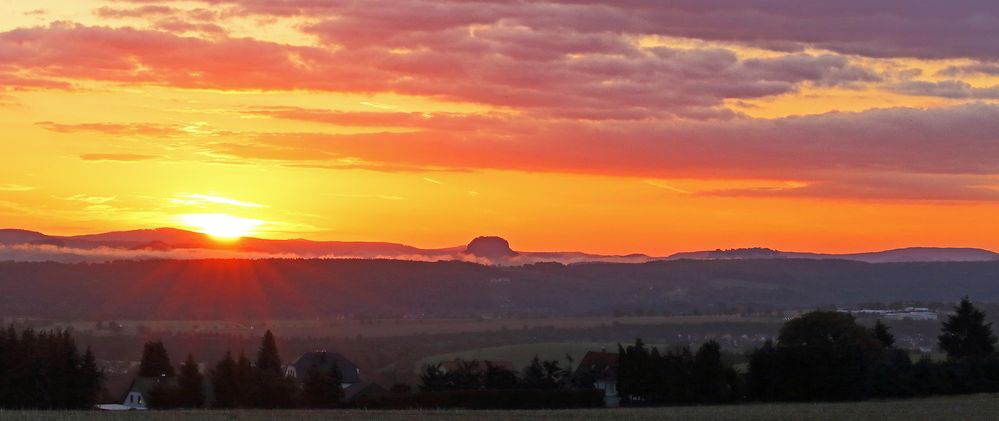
[322, 388]
[534, 374]
[273, 389]
[883, 334]
[965, 335]
[433, 378]
[498, 378]
[826, 355]
[225, 383]
[712, 379]
[191, 393]
[155, 361]
[247, 382]
[89, 381]
[763, 377]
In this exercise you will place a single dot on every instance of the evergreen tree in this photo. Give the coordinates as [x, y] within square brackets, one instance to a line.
[273, 389]
[89, 382]
[247, 382]
[534, 374]
[155, 361]
[710, 375]
[883, 334]
[191, 393]
[965, 334]
[322, 388]
[268, 359]
[763, 378]
[225, 383]
[44, 370]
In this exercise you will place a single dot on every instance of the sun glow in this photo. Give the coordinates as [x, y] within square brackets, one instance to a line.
[220, 225]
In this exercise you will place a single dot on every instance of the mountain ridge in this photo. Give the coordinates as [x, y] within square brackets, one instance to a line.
[161, 242]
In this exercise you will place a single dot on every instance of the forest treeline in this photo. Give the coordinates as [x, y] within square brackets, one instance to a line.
[819, 356]
[45, 370]
[201, 289]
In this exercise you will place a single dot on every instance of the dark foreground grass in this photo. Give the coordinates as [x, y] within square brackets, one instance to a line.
[976, 407]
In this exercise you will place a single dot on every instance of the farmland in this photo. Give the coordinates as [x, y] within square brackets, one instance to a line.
[975, 407]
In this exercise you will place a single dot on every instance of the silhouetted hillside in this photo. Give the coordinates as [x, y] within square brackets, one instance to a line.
[315, 288]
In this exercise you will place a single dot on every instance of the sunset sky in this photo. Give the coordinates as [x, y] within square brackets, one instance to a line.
[621, 126]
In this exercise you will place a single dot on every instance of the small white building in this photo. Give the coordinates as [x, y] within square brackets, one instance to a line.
[137, 397]
[602, 366]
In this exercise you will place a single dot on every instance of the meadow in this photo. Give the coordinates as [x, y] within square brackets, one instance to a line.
[969, 408]
[373, 328]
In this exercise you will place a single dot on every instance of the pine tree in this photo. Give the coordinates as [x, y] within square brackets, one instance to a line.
[225, 383]
[191, 392]
[322, 388]
[155, 361]
[89, 381]
[273, 389]
[965, 334]
[247, 383]
[268, 360]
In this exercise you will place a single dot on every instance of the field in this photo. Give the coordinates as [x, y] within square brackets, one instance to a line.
[397, 327]
[521, 355]
[976, 407]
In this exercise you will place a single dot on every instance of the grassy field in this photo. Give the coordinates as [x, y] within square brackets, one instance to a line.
[398, 327]
[521, 355]
[968, 408]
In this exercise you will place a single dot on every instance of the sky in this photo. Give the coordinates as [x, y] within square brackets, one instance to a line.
[617, 127]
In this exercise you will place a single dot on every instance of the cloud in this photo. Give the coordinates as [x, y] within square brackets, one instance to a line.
[988, 69]
[201, 199]
[132, 129]
[573, 75]
[116, 157]
[15, 188]
[927, 29]
[946, 89]
[957, 140]
[94, 200]
[881, 186]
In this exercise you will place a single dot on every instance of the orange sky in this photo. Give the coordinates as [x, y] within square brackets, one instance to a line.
[599, 127]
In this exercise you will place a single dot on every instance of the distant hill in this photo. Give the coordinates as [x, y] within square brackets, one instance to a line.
[172, 243]
[160, 242]
[490, 248]
[910, 254]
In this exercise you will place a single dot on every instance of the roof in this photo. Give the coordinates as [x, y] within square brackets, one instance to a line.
[349, 373]
[602, 364]
[361, 390]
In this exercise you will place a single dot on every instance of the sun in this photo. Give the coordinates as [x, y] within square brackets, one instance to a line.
[220, 225]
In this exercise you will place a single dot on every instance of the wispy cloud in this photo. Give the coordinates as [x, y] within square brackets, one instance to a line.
[368, 196]
[663, 185]
[16, 188]
[95, 200]
[116, 157]
[201, 199]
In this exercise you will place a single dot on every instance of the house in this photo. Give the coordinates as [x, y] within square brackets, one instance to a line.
[601, 368]
[138, 393]
[349, 373]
